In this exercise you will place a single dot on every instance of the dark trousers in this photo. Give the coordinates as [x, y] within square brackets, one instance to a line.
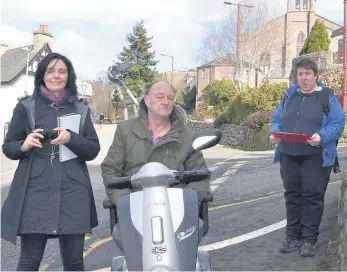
[336, 158]
[305, 182]
[33, 247]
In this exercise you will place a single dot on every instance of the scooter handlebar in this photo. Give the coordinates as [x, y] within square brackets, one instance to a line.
[119, 182]
[185, 176]
[194, 175]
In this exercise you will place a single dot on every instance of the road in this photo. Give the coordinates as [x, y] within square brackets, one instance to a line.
[247, 220]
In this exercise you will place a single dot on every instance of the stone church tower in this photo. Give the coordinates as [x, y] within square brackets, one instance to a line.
[301, 5]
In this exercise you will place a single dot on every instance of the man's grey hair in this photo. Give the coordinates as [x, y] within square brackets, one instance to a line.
[148, 87]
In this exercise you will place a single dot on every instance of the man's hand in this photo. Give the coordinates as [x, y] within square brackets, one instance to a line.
[274, 140]
[63, 138]
[315, 140]
[32, 140]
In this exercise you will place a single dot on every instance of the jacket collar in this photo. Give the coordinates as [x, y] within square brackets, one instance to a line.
[292, 89]
[178, 123]
[68, 98]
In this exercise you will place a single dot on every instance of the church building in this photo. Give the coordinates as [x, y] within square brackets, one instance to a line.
[268, 51]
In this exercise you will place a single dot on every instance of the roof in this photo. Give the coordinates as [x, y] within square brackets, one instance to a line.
[228, 60]
[338, 25]
[14, 60]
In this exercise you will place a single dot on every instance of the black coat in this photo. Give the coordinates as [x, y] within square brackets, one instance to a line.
[47, 196]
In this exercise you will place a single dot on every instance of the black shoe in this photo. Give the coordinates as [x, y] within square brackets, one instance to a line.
[337, 169]
[308, 249]
[290, 245]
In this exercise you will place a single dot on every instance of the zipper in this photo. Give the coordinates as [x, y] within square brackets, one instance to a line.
[297, 120]
[166, 154]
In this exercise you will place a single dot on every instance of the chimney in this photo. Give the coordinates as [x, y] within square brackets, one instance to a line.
[42, 37]
[3, 48]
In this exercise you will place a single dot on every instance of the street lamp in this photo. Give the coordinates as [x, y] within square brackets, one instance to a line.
[238, 35]
[172, 61]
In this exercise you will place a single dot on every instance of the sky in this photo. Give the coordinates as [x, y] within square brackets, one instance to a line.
[92, 33]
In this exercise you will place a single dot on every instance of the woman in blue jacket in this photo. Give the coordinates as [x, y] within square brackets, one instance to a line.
[305, 168]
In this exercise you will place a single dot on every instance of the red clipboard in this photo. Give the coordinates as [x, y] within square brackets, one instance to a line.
[295, 138]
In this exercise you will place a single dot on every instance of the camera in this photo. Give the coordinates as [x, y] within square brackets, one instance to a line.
[48, 136]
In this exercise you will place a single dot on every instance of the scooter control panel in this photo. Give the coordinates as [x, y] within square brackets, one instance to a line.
[157, 230]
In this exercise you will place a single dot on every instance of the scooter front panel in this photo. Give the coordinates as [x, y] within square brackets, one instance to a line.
[187, 234]
[131, 237]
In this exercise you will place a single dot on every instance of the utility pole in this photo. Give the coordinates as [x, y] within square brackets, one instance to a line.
[238, 38]
[172, 61]
[27, 70]
[345, 57]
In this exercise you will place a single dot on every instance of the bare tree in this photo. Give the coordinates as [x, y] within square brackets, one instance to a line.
[257, 39]
[101, 99]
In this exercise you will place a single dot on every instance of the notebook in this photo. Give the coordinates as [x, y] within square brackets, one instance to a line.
[72, 122]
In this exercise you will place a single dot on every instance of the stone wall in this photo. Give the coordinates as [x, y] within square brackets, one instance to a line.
[342, 206]
[243, 137]
[239, 136]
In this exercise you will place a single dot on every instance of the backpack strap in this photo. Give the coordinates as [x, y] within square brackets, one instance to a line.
[324, 100]
[29, 105]
[285, 97]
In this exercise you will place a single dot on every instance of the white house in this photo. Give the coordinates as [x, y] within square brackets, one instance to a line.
[17, 80]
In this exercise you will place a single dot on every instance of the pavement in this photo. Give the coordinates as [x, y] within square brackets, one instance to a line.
[247, 217]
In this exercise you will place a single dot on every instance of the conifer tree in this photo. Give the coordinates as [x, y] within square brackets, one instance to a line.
[138, 53]
[318, 40]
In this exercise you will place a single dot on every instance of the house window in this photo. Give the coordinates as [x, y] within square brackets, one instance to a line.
[297, 4]
[203, 74]
[301, 38]
[265, 62]
[304, 5]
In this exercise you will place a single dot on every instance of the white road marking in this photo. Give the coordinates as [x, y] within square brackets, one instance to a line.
[231, 171]
[244, 237]
[216, 166]
[219, 164]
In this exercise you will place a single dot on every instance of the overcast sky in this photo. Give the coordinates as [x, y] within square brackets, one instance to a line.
[92, 33]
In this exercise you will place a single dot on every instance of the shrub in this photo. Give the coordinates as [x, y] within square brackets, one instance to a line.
[334, 80]
[259, 119]
[262, 139]
[219, 94]
[236, 113]
[202, 114]
[344, 133]
[265, 97]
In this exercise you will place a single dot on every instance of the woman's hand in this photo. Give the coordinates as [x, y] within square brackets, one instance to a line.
[274, 140]
[63, 138]
[315, 140]
[32, 140]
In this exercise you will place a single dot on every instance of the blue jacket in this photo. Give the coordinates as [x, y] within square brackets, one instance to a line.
[332, 126]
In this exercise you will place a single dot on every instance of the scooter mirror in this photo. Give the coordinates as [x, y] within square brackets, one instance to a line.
[206, 138]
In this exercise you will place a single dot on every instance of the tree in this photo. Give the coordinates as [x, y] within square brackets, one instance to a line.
[138, 53]
[318, 40]
[102, 99]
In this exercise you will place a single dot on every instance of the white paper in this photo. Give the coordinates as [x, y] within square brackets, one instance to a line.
[71, 122]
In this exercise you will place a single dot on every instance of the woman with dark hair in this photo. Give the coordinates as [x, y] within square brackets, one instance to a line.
[50, 198]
